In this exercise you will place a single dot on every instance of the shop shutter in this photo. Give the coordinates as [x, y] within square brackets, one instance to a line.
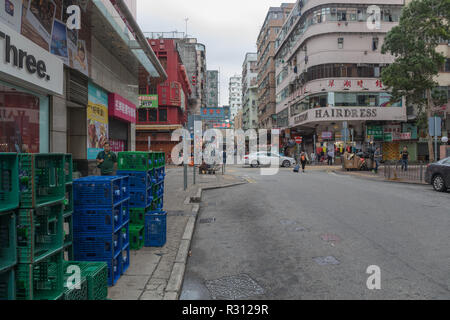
[77, 88]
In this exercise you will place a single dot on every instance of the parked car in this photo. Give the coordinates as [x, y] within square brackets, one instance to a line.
[438, 175]
[266, 158]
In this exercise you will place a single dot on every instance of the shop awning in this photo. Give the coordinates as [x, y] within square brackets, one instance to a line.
[158, 127]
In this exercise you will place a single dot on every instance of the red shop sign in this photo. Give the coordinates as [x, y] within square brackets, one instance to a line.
[121, 108]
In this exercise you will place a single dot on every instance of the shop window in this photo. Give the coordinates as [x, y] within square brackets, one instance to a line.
[23, 121]
[340, 43]
[162, 115]
[153, 115]
[142, 115]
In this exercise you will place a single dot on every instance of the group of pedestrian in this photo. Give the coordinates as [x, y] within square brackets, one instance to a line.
[404, 158]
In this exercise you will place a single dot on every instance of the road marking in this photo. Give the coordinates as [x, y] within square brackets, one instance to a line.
[249, 180]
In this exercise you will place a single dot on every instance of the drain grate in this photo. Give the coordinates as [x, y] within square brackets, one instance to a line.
[176, 213]
[323, 261]
[207, 221]
[234, 287]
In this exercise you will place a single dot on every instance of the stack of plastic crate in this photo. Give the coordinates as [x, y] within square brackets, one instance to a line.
[9, 201]
[92, 283]
[68, 208]
[101, 223]
[138, 166]
[40, 226]
[155, 221]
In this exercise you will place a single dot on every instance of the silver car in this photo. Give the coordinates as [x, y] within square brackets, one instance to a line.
[258, 159]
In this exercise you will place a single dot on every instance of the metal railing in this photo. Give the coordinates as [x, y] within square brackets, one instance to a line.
[394, 170]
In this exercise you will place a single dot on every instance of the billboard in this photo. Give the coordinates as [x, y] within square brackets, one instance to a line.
[97, 120]
[148, 101]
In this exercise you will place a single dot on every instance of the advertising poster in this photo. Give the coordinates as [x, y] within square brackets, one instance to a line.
[78, 58]
[11, 13]
[97, 118]
[148, 101]
[41, 15]
[59, 41]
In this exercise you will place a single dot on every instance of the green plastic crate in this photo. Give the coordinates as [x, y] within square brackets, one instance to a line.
[157, 203]
[159, 159]
[41, 179]
[137, 237]
[9, 181]
[75, 294]
[7, 285]
[96, 274]
[137, 215]
[68, 200]
[68, 252]
[135, 161]
[40, 232]
[68, 230]
[42, 280]
[8, 240]
[68, 168]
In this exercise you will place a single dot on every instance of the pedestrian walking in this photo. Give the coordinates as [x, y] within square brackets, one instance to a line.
[405, 158]
[377, 158]
[313, 158]
[330, 155]
[106, 160]
[303, 160]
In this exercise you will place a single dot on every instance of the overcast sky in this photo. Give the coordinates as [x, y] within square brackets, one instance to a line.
[228, 28]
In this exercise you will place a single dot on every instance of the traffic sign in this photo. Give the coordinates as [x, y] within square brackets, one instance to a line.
[299, 140]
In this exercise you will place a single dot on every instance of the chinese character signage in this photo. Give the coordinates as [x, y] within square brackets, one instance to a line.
[97, 118]
[215, 113]
[121, 108]
[375, 132]
[148, 101]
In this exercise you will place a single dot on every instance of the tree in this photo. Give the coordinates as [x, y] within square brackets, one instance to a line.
[423, 24]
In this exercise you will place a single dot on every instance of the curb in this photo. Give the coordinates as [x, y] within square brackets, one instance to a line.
[176, 279]
[380, 180]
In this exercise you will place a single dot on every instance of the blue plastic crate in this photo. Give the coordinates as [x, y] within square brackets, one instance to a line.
[100, 191]
[99, 220]
[137, 179]
[114, 270]
[125, 241]
[141, 198]
[160, 174]
[153, 176]
[155, 229]
[158, 204]
[160, 189]
[125, 212]
[88, 247]
[125, 259]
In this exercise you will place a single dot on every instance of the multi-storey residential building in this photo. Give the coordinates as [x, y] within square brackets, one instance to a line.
[212, 89]
[250, 92]
[266, 66]
[328, 68]
[164, 107]
[235, 95]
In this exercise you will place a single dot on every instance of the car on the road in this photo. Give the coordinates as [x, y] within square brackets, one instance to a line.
[266, 158]
[438, 175]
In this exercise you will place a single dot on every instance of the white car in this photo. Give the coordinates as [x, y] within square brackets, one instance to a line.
[267, 158]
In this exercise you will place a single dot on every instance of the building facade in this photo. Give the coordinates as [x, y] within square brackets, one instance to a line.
[266, 65]
[164, 107]
[250, 92]
[328, 78]
[212, 88]
[82, 92]
[235, 95]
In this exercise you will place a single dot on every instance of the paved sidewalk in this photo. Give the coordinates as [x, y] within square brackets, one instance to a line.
[379, 177]
[157, 273]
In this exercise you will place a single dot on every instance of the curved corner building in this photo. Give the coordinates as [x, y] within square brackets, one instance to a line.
[328, 75]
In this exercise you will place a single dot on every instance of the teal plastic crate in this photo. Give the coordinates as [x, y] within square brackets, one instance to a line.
[8, 240]
[9, 181]
[40, 232]
[42, 280]
[137, 236]
[68, 252]
[75, 294]
[68, 168]
[68, 200]
[135, 161]
[96, 274]
[7, 285]
[159, 159]
[68, 230]
[41, 179]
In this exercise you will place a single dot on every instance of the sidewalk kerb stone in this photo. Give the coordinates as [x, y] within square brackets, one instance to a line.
[183, 251]
[187, 200]
[176, 278]
[171, 296]
[189, 230]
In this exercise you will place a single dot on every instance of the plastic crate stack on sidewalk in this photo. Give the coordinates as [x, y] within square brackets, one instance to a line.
[146, 171]
[101, 223]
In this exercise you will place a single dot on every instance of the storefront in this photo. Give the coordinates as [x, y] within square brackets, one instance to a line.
[28, 76]
[122, 113]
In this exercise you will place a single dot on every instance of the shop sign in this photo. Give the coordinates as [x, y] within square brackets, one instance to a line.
[26, 61]
[405, 136]
[327, 135]
[393, 131]
[97, 118]
[388, 137]
[411, 128]
[117, 145]
[375, 132]
[148, 101]
[121, 108]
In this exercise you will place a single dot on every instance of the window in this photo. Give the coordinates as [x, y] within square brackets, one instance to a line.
[153, 115]
[447, 65]
[341, 43]
[162, 115]
[342, 15]
[142, 115]
[375, 42]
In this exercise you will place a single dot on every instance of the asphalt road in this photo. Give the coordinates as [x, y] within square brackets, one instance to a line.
[313, 236]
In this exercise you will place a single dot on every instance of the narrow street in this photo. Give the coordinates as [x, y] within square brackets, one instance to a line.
[313, 236]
